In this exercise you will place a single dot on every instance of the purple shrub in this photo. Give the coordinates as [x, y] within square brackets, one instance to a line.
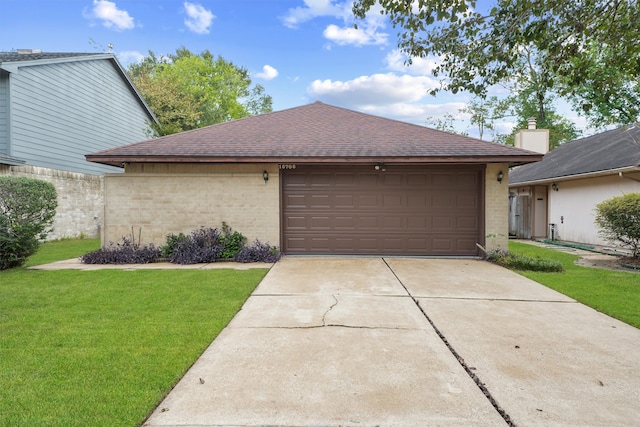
[258, 252]
[202, 246]
[126, 252]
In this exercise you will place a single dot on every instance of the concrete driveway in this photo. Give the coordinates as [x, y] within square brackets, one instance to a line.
[410, 342]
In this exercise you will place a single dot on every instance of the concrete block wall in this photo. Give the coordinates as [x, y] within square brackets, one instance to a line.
[496, 207]
[80, 200]
[159, 199]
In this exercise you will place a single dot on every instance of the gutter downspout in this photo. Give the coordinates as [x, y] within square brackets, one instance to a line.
[622, 175]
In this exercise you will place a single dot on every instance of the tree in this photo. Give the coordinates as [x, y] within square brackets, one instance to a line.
[479, 48]
[525, 105]
[619, 220]
[606, 95]
[27, 209]
[187, 91]
[446, 123]
[484, 112]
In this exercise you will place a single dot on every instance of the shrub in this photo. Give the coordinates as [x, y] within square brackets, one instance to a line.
[618, 219]
[524, 263]
[202, 246]
[27, 208]
[172, 241]
[258, 252]
[127, 252]
[232, 242]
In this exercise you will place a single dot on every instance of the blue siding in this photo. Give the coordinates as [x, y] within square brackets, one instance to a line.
[4, 113]
[60, 112]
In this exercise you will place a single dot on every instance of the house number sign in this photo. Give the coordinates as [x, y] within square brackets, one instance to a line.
[286, 166]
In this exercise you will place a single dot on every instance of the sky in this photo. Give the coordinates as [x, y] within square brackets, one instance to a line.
[300, 51]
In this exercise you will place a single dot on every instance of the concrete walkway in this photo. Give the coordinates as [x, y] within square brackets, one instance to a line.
[410, 342]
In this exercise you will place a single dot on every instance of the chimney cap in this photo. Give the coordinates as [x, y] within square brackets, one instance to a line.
[532, 123]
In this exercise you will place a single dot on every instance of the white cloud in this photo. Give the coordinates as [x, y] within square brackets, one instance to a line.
[397, 61]
[374, 89]
[130, 56]
[110, 15]
[401, 97]
[351, 36]
[367, 33]
[198, 18]
[314, 9]
[268, 73]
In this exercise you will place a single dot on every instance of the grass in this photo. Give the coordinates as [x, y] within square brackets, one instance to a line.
[615, 293]
[102, 348]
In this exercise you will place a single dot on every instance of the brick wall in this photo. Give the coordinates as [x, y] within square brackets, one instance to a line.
[496, 207]
[80, 201]
[160, 199]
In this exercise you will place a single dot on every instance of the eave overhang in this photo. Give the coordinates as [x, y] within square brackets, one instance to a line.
[120, 161]
[595, 174]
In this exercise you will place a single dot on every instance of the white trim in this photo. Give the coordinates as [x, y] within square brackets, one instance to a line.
[617, 171]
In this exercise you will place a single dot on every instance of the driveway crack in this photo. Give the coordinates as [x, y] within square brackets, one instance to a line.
[459, 358]
[324, 316]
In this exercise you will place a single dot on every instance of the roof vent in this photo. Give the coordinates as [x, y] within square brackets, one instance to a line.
[28, 51]
[532, 123]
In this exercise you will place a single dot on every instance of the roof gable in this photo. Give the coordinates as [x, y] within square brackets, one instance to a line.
[607, 151]
[314, 133]
[13, 61]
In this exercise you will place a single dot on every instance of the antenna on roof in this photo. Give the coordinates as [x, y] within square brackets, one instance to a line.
[110, 47]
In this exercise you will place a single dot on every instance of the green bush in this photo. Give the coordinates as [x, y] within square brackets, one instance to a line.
[523, 263]
[232, 242]
[619, 220]
[27, 208]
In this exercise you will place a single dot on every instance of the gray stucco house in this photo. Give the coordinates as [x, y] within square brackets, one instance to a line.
[56, 107]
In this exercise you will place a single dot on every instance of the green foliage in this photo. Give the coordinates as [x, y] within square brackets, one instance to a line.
[525, 105]
[618, 219]
[172, 243]
[27, 208]
[524, 263]
[188, 91]
[482, 46]
[446, 123]
[604, 94]
[232, 242]
[484, 112]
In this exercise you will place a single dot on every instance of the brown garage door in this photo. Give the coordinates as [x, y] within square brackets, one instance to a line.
[402, 210]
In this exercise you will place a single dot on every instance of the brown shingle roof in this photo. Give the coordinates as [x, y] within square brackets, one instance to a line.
[314, 133]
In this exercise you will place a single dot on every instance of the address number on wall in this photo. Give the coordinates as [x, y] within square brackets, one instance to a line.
[286, 166]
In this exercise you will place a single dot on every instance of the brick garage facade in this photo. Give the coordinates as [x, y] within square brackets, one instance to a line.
[496, 207]
[159, 199]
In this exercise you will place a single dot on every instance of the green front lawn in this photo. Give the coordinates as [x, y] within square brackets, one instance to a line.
[102, 348]
[616, 293]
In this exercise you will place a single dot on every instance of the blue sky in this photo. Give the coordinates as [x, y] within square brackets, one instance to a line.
[301, 51]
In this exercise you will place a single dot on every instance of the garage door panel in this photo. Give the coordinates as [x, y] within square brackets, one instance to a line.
[466, 223]
[392, 200]
[355, 210]
[344, 201]
[367, 200]
[467, 201]
[392, 179]
[442, 223]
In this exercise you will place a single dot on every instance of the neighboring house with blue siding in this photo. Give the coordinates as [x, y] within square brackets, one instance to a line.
[54, 109]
